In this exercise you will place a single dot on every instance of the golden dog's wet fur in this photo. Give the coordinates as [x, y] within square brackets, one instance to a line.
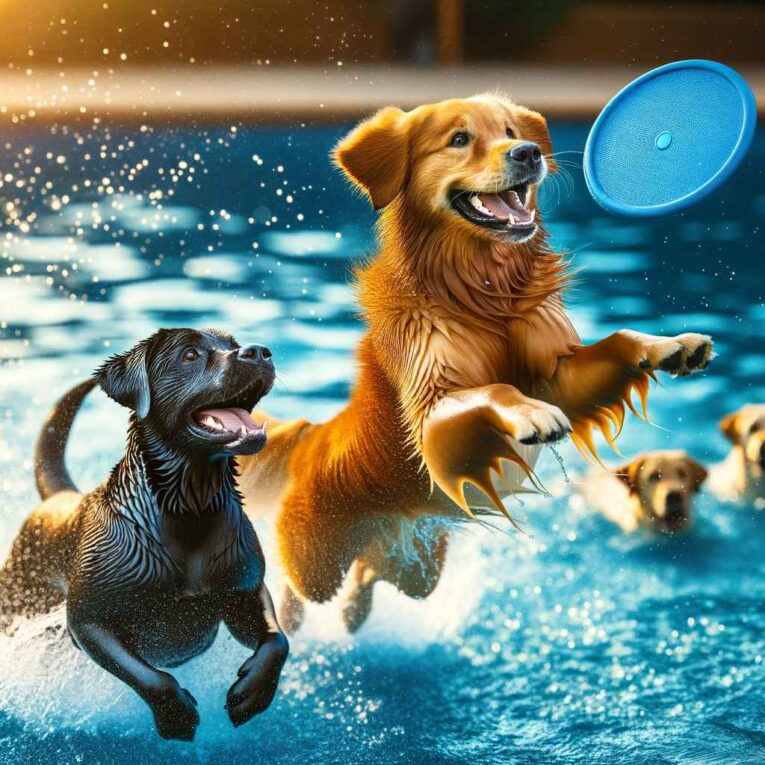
[469, 351]
[741, 477]
[654, 491]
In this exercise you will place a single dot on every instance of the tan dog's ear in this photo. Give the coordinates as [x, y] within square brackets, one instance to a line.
[698, 473]
[628, 474]
[729, 427]
[534, 128]
[374, 155]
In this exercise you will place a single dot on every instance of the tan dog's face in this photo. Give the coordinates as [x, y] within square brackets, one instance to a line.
[473, 163]
[745, 429]
[664, 484]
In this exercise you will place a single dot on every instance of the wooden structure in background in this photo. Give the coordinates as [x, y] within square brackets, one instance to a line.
[450, 25]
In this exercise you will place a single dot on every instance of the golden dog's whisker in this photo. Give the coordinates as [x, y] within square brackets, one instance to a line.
[567, 178]
[551, 181]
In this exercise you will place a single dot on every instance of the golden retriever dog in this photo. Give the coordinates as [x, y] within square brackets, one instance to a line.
[654, 491]
[469, 364]
[741, 477]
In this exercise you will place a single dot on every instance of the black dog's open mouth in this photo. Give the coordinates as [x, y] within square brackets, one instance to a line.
[229, 422]
[504, 210]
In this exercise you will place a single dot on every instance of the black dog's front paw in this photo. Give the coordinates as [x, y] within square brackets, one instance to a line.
[175, 712]
[258, 679]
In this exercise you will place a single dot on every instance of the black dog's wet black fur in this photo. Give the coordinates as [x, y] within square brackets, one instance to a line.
[157, 557]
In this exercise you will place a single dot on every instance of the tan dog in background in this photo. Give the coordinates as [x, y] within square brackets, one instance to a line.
[469, 365]
[741, 477]
[654, 491]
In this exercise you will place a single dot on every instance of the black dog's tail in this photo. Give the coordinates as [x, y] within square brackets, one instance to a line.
[50, 471]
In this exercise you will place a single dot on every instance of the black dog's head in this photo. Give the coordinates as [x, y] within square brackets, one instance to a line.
[193, 389]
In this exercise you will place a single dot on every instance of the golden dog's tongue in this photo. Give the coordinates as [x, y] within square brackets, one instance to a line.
[232, 419]
[506, 206]
[496, 206]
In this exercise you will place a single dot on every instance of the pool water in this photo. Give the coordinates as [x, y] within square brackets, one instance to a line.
[572, 643]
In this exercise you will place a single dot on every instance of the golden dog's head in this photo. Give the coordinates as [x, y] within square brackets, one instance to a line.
[664, 484]
[745, 428]
[472, 163]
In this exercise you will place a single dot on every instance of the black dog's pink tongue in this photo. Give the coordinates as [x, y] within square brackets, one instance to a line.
[232, 419]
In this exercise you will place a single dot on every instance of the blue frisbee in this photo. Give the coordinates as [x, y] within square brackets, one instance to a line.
[669, 138]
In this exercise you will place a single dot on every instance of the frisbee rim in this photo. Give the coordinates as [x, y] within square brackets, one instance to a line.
[744, 140]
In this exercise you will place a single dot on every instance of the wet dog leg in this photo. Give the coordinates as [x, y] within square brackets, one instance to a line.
[250, 617]
[357, 604]
[468, 433]
[173, 707]
[291, 610]
[594, 384]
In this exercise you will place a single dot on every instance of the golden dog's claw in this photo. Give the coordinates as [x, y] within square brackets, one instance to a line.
[469, 434]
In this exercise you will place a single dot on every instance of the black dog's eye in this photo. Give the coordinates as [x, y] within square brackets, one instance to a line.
[190, 354]
[510, 133]
[460, 139]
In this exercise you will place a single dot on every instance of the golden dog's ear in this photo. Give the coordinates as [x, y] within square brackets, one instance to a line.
[628, 474]
[374, 155]
[729, 427]
[698, 473]
[534, 128]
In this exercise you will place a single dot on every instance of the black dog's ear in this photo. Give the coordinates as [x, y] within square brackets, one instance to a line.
[125, 379]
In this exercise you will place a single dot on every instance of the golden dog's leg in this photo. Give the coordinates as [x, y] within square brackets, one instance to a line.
[291, 611]
[357, 604]
[595, 383]
[468, 433]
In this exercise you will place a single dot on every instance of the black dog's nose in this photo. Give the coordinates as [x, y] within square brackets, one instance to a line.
[526, 153]
[255, 353]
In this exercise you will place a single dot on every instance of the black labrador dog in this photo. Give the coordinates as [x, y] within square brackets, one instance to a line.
[152, 561]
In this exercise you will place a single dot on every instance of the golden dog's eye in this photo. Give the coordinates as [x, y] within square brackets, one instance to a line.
[510, 133]
[655, 476]
[190, 354]
[460, 139]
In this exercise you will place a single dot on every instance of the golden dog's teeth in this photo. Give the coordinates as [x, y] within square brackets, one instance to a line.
[475, 200]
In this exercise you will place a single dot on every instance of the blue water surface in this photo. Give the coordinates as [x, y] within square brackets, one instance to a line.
[570, 644]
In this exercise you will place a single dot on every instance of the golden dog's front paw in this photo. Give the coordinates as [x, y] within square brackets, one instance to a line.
[535, 423]
[680, 355]
[468, 434]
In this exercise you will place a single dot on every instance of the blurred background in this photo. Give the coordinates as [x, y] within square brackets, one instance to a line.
[51, 32]
[582, 50]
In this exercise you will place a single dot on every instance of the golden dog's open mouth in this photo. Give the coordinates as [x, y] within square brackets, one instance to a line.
[504, 211]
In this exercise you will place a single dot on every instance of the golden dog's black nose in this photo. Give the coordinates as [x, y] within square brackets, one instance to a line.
[254, 353]
[527, 153]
